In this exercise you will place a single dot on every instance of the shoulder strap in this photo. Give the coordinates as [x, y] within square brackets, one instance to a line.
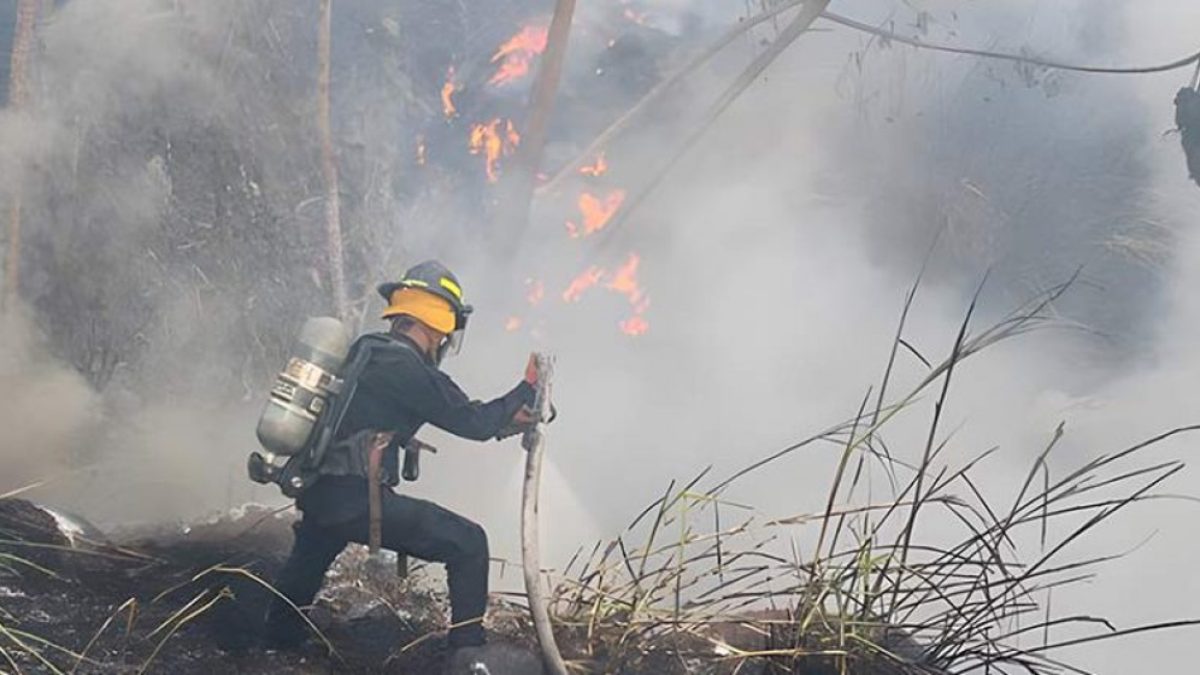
[360, 354]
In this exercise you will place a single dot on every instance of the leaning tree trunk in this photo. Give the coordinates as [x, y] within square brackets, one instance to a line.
[18, 98]
[333, 221]
[517, 188]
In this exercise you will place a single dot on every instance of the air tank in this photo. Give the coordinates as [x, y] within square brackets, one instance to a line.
[305, 386]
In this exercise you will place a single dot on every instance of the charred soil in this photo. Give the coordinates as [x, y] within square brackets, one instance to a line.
[190, 599]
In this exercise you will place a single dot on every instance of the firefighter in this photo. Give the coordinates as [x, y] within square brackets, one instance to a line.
[399, 390]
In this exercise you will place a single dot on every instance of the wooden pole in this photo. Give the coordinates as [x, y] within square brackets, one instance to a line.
[335, 258]
[519, 178]
[18, 98]
[534, 442]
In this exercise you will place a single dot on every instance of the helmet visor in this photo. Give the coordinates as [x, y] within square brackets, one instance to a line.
[454, 341]
[450, 346]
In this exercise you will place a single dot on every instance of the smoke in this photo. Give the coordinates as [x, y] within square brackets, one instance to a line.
[129, 164]
[49, 413]
[175, 244]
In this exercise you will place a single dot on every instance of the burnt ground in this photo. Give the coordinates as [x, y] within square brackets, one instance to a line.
[189, 600]
[162, 601]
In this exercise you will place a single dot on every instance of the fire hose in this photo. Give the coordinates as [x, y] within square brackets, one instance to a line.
[534, 442]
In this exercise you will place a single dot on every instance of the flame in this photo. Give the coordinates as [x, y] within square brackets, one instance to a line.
[597, 168]
[634, 326]
[420, 150]
[625, 282]
[493, 144]
[581, 283]
[448, 91]
[596, 212]
[513, 324]
[515, 55]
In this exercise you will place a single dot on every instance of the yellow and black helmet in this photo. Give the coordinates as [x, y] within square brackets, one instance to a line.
[429, 292]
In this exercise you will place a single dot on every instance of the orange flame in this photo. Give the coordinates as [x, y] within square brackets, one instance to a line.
[597, 168]
[634, 326]
[493, 144]
[448, 91]
[625, 282]
[581, 283]
[596, 212]
[515, 55]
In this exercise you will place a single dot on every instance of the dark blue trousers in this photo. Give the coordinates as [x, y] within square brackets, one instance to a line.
[413, 527]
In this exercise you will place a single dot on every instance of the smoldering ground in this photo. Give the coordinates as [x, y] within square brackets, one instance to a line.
[775, 257]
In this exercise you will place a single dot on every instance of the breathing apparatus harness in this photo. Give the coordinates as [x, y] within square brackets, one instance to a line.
[302, 469]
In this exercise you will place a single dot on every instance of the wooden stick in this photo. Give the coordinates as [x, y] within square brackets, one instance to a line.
[18, 98]
[378, 444]
[333, 218]
[534, 442]
[519, 179]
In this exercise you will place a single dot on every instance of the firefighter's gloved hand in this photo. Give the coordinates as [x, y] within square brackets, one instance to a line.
[523, 420]
[527, 416]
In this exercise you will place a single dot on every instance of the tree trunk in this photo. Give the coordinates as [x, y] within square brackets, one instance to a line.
[519, 179]
[333, 222]
[18, 98]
